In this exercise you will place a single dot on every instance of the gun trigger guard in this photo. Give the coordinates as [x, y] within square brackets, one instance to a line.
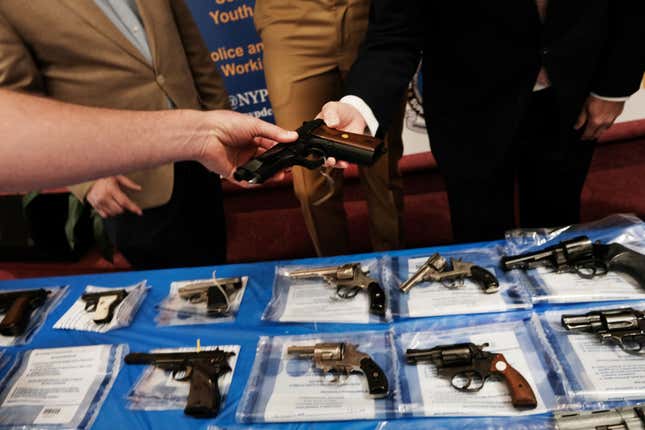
[187, 373]
[331, 185]
[469, 375]
[633, 348]
[347, 292]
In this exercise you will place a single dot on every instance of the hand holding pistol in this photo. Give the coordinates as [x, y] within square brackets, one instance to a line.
[625, 327]
[437, 269]
[348, 280]
[345, 358]
[201, 368]
[579, 255]
[469, 367]
[17, 307]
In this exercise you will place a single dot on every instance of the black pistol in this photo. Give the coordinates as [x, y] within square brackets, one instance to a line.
[315, 143]
[579, 255]
[201, 368]
[103, 304]
[17, 307]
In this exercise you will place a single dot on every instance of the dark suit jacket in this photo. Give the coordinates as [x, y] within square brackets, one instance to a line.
[481, 59]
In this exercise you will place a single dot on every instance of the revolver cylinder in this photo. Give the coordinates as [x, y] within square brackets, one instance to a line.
[610, 320]
[563, 256]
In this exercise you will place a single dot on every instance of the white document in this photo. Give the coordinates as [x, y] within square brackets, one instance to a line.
[77, 318]
[318, 302]
[441, 398]
[612, 373]
[315, 396]
[432, 298]
[196, 313]
[567, 287]
[159, 390]
[59, 381]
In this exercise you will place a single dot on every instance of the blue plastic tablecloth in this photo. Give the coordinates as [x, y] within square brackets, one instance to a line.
[144, 335]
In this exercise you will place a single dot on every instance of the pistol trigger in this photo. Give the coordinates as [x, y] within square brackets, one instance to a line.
[331, 185]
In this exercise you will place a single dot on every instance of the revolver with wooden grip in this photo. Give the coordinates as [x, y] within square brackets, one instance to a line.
[345, 358]
[201, 368]
[17, 307]
[469, 366]
[438, 269]
[315, 143]
[348, 279]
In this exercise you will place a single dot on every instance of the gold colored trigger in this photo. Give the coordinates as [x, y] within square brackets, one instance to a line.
[325, 172]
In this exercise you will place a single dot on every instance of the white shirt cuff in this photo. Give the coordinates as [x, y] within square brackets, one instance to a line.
[610, 99]
[365, 111]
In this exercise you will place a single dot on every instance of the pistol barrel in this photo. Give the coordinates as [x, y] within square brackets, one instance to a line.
[414, 279]
[413, 356]
[312, 273]
[586, 322]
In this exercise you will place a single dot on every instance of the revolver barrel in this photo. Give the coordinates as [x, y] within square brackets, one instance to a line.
[312, 273]
[303, 351]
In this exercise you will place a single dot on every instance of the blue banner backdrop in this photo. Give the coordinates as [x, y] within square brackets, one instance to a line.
[236, 50]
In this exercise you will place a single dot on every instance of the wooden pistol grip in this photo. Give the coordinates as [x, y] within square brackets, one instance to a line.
[522, 395]
[358, 140]
[17, 317]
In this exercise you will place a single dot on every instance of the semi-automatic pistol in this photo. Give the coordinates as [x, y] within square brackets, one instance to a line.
[348, 279]
[345, 358]
[103, 304]
[215, 293]
[17, 307]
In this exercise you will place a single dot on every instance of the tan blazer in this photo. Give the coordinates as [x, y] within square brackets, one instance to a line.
[69, 50]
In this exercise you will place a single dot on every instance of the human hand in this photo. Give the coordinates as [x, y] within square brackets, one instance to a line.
[345, 117]
[598, 115]
[232, 139]
[108, 199]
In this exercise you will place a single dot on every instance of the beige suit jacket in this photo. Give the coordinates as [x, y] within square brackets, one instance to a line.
[70, 51]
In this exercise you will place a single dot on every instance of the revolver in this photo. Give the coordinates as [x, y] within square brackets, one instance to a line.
[215, 293]
[625, 418]
[315, 143]
[469, 366]
[579, 255]
[17, 307]
[625, 327]
[437, 269]
[103, 304]
[348, 279]
[345, 358]
[201, 368]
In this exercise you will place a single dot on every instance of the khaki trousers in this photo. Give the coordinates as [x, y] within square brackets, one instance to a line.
[309, 47]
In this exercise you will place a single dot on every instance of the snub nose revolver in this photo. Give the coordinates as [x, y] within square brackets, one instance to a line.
[345, 358]
[348, 280]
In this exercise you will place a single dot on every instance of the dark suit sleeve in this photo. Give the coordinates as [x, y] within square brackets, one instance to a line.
[621, 68]
[388, 57]
[208, 81]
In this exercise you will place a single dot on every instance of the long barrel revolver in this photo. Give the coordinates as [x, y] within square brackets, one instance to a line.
[348, 279]
[101, 305]
[201, 368]
[345, 358]
[625, 418]
[17, 307]
[214, 293]
[315, 143]
[579, 255]
[469, 366]
[438, 269]
[625, 327]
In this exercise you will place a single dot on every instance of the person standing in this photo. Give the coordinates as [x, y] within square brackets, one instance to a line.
[309, 47]
[134, 55]
[515, 94]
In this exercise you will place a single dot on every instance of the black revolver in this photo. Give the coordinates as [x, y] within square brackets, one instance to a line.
[316, 142]
[469, 366]
[625, 327]
[579, 255]
[17, 307]
[202, 368]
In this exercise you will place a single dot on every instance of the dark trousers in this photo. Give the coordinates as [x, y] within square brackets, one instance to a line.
[190, 230]
[549, 170]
